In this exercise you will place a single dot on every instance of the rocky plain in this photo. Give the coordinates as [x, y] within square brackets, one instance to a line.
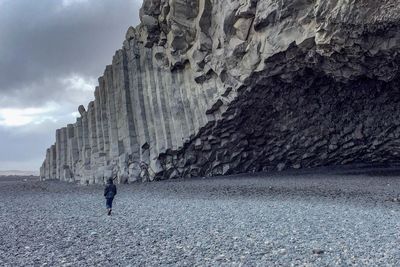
[318, 217]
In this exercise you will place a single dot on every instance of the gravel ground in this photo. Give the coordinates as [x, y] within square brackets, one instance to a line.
[313, 218]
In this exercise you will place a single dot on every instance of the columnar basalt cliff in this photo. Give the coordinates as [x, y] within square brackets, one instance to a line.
[214, 87]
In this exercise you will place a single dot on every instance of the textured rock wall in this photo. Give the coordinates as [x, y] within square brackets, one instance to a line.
[207, 87]
[141, 109]
[310, 122]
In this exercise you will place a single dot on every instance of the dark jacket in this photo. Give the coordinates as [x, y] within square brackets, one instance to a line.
[110, 190]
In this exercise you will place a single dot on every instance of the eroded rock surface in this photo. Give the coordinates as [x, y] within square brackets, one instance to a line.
[206, 87]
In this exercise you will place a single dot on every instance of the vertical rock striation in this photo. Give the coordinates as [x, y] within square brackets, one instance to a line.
[206, 87]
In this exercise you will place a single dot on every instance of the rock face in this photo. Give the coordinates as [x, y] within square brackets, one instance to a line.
[207, 87]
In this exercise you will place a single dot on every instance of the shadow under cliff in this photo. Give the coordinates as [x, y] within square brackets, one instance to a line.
[303, 119]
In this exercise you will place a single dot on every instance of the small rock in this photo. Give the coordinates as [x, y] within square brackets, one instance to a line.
[317, 251]
[281, 166]
[282, 251]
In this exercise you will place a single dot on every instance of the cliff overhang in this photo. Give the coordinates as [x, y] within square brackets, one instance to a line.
[203, 88]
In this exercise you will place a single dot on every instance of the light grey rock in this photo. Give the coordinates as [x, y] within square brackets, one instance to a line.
[277, 84]
[242, 27]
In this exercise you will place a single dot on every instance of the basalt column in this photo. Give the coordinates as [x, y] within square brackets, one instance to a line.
[58, 153]
[85, 149]
[72, 152]
[127, 142]
[53, 162]
[64, 168]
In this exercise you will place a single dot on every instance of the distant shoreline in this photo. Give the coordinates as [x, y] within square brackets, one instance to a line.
[7, 178]
[18, 173]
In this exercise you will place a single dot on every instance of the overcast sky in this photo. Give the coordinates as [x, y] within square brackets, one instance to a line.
[51, 54]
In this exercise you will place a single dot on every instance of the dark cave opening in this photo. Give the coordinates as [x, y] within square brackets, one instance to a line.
[310, 121]
[316, 121]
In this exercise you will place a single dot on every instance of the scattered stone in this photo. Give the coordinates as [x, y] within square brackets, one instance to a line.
[194, 222]
[318, 251]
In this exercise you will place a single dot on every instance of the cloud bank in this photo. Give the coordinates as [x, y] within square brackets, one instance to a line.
[51, 54]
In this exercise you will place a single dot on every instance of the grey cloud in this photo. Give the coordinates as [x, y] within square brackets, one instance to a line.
[41, 45]
[41, 41]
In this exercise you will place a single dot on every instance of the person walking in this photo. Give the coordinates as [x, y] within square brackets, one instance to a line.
[109, 193]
